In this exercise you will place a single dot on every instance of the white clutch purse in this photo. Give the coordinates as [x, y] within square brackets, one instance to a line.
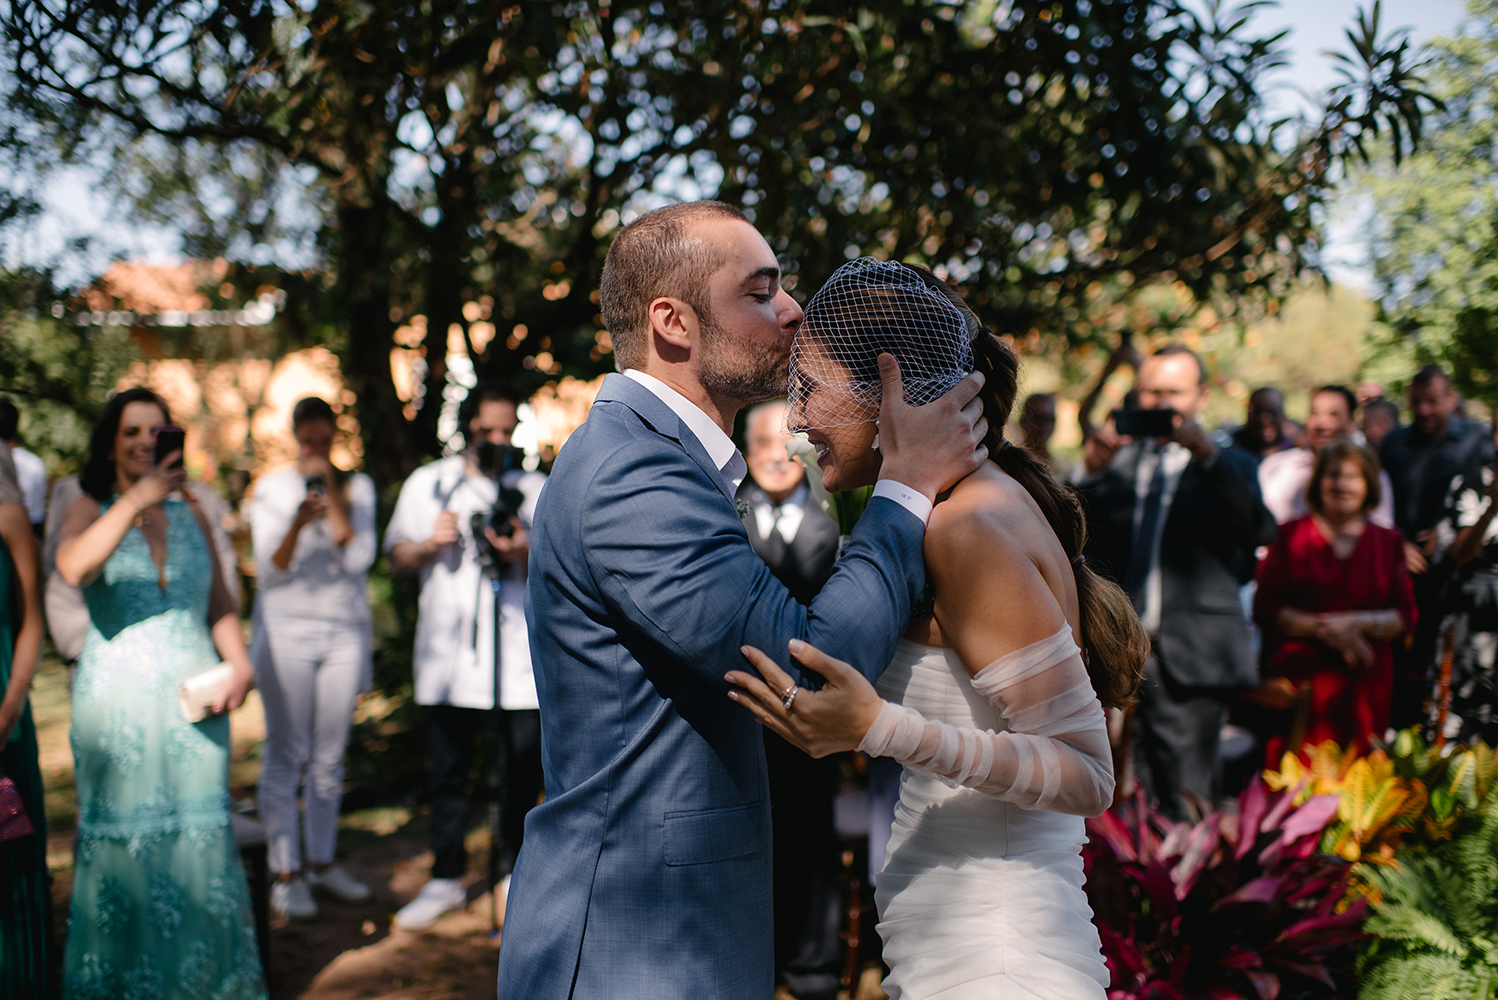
[197, 694]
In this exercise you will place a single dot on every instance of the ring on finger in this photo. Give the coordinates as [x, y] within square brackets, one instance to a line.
[789, 695]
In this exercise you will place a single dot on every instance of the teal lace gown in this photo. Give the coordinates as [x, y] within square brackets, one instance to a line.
[25, 909]
[160, 905]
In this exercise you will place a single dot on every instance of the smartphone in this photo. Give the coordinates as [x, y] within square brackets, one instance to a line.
[1136, 423]
[317, 485]
[170, 438]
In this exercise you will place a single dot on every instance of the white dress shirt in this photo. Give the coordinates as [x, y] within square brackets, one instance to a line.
[454, 656]
[731, 465]
[31, 476]
[784, 517]
[1175, 459]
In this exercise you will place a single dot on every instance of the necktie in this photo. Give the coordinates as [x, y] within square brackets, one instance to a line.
[1144, 536]
[775, 547]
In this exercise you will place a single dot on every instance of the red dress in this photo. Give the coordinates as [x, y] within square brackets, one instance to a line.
[1348, 704]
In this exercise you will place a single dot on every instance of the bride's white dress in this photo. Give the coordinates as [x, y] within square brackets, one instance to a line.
[981, 897]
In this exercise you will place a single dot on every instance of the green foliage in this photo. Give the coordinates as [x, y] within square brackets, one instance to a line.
[1047, 155]
[1436, 920]
[1435, 248]
[59, 374]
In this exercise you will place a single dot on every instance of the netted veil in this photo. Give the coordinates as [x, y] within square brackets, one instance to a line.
[867, 307]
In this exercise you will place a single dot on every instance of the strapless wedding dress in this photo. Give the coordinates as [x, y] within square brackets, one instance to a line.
[979, 898]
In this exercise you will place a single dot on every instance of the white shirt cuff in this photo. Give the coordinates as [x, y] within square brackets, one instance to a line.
[906, 497]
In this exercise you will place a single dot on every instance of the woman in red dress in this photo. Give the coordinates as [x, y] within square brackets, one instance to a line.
[1333, 593]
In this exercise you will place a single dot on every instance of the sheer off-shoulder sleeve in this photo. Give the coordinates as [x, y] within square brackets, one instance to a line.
[1055, 754]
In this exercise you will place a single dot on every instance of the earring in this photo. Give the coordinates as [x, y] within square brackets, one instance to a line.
[875, 444]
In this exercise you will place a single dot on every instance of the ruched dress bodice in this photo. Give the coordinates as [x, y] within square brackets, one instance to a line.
[978, 897]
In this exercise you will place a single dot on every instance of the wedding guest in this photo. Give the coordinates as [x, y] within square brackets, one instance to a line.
[66, 611]
[1380, 417]
[1176, 522]
[1263, 430]
[798, 541]
[1037, 425]
[1423, 459]
[314, 534]
[1469, 533]
[159, 894]
[25, 903]
[31, 471]
[433, 535]
[1334, 591]
[1285, 476]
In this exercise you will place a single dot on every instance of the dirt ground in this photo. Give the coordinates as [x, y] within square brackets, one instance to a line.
[351, 952]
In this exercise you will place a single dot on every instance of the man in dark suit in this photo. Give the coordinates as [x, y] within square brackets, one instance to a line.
[798, 541]
[1175, 521]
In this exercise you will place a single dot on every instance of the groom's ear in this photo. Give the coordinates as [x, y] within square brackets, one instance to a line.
[673, 327]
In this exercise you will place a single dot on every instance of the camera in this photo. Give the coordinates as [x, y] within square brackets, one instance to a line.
[494, 460]
[1137, 423]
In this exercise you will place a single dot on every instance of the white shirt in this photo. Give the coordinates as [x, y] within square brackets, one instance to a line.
[1285, 476]
[323, 580]
[731, 465]
[784, 517]
[1175, 459]
[454, 656]
[31, 476]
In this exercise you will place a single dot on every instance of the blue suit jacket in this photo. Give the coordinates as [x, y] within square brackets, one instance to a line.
[646, 872]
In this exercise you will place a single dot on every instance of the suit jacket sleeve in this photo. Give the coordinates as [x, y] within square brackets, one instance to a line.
[1232, 479]
[672, 557]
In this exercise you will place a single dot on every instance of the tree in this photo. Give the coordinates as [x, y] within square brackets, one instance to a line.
[1434, 242]
[469, 161]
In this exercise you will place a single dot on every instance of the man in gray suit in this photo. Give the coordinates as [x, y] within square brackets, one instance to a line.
[1175, 521]
[798, 541]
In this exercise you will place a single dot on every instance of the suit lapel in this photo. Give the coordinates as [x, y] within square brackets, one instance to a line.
[659, 417]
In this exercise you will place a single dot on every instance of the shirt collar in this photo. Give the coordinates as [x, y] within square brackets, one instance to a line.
[719, 446]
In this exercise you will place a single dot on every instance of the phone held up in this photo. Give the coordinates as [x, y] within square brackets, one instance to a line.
[169, 438]
[317, 485]
[1137, 423]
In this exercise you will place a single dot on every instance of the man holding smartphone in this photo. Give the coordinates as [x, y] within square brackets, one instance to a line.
[444, 531]
[1175, 520]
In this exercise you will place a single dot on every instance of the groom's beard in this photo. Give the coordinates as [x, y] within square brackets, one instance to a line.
[747, 374]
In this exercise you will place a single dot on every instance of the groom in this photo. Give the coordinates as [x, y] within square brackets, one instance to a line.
[646, 872]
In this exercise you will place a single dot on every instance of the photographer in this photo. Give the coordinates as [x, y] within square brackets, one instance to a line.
[1174, 519]
[460, 523]
[314, 534]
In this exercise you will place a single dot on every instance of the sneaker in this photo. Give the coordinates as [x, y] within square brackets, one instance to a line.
[292, 899]
[436, 898]
[338, 883]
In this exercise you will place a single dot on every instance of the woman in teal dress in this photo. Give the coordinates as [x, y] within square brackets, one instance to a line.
[25, 905]
[160, 906]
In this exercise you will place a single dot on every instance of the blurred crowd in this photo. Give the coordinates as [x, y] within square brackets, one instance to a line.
[1332, 579]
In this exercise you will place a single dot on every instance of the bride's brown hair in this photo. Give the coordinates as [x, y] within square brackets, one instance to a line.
[1114, 643]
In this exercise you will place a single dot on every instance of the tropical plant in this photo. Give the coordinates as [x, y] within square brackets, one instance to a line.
[1435, 924]
[1231, 906]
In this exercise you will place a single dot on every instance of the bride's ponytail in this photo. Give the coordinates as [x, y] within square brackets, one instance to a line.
[1114, 643]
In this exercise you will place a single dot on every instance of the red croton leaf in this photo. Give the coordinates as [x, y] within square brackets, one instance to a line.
[1264, 982]
[1111, 830]
[1252, 805]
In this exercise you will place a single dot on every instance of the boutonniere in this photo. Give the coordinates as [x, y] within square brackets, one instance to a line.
[742, 506]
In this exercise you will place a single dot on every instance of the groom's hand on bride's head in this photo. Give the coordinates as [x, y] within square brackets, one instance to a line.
[827, 721]
[929, 448]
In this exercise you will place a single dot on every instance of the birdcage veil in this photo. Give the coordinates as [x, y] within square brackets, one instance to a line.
[867, 307]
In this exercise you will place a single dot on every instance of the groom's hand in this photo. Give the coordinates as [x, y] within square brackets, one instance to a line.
[929, 448]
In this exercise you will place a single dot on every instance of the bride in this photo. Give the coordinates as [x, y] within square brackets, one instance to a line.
[994, 700]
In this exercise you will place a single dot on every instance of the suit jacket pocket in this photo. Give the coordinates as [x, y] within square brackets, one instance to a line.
[702, 836]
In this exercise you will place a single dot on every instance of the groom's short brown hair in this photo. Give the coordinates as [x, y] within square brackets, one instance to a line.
[656, 256]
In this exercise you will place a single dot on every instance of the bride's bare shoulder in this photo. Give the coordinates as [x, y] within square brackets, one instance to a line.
[987, 514]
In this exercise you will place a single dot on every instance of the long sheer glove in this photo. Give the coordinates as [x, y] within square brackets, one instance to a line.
[1055, 753]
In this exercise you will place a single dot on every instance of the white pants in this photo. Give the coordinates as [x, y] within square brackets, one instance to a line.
[309, 672]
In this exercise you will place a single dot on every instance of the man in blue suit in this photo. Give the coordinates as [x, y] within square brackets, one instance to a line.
[646, 872]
